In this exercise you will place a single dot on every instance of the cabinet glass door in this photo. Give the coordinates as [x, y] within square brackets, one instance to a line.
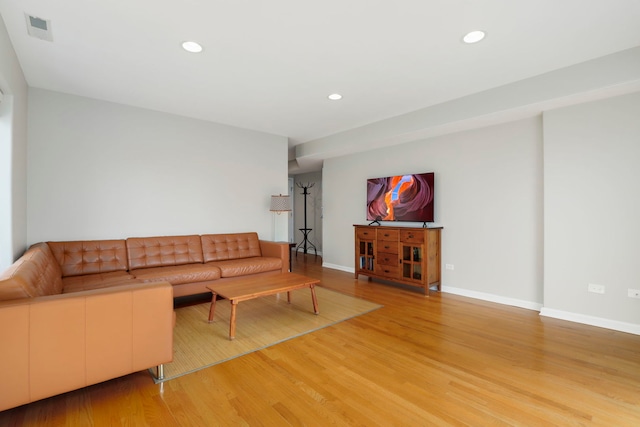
[366, 255]
[412, 262]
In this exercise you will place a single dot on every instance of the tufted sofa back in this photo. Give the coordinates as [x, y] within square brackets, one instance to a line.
[90, 257]
[219, 247]
[145, 252]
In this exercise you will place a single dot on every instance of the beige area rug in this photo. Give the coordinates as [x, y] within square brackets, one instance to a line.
[260, 323]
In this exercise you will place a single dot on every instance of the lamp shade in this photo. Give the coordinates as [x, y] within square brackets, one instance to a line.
[280, 203]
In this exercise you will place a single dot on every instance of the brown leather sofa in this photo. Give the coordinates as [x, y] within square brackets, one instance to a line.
[190, 263]
[77, 313]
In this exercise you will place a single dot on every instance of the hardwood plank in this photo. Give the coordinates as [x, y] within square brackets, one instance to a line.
[443, 360]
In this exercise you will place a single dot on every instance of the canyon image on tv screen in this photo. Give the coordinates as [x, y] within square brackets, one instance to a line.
[401, 198]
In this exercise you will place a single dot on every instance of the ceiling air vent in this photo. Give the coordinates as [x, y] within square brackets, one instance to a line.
[38, 27]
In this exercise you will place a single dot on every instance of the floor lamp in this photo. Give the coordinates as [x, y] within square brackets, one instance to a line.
[280, 203]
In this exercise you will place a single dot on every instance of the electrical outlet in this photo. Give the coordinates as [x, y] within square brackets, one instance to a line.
[449, 266]
[596, 289]
[634, 293]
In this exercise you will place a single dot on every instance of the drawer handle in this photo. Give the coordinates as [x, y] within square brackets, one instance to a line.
[411, 236]
[386, 235]
[386, 247]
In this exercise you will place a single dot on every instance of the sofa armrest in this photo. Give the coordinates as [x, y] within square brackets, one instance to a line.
[60, 343]
[276, 250]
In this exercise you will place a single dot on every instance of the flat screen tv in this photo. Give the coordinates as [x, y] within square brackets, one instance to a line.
[401, 198]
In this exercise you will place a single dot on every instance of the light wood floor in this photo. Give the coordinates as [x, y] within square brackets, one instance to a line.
[443, 360]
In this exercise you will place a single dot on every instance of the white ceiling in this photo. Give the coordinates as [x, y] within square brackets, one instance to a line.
[269, 65]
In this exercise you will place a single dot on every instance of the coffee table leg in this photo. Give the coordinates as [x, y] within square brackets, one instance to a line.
[212, 309]
[289, 297]
[314, 299]
[232, 320]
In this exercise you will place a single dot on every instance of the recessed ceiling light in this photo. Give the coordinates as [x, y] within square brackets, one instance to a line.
[473, 36]
[335, 96]
[192, 47]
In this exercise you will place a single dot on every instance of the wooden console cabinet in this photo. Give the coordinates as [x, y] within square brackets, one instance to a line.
[410, 256]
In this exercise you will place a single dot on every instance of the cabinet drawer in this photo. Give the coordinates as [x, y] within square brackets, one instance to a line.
[386, 258]
[366, 234]
[409, 236]
[387, 270]
[387, 246]
[390, 235]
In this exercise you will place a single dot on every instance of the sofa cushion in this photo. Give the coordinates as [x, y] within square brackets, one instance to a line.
[244, 266]
[219, 247]
[145, 252]
[34, 274]
[97, 281]
[90, 257]
[178, 274]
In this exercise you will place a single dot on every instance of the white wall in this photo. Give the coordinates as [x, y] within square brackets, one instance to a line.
[102, 170]
[488, 198]
[520, 227]
[592, 211]
[13, 154]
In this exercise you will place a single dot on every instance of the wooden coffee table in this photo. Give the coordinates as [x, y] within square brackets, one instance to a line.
[255, 287]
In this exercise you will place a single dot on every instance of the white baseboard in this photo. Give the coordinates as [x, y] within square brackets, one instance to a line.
[529, 305]
[339, 267]
[591, 320]
[309, 252]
